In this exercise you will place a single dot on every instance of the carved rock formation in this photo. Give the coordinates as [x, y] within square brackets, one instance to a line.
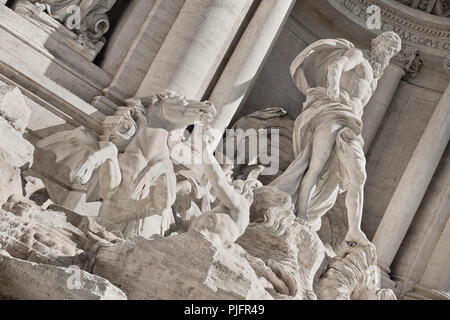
[21, 279]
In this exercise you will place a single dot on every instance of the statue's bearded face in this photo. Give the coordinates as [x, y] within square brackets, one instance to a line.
[380, 58]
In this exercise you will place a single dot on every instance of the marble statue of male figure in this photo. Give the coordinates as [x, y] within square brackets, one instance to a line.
[338, 80]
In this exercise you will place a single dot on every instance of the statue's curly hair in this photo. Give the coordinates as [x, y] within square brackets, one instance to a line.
[392, 38]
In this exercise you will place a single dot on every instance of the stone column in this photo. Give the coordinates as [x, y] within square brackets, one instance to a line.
[195, 47]
[435, 282]
[152, 20]
[378, 105]
[416, 250]
[247, 60]
[413, 184]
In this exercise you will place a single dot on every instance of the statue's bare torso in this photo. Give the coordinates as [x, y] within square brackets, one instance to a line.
[356, 78]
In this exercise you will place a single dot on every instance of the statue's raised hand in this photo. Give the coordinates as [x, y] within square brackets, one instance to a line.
[140, 188]
[82, 173]
[181, 112]
[356, 238]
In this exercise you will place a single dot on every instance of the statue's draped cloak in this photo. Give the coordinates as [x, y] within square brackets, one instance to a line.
[309, 71]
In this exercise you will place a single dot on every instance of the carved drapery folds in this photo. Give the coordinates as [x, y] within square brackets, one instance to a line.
[85, 21]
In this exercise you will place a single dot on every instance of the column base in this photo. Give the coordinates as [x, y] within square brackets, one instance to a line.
[423, 293]
[385, 280]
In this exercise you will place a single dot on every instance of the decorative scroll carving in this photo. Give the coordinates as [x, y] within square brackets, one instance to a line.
[85, 21]
[409, 60]
[447, 64]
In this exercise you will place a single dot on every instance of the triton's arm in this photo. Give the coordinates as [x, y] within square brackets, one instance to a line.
[109, 172]
[223, 190]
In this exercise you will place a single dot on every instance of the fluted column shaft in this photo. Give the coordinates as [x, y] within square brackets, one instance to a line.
[379, 104]
[247, 60]
[417, 248]
[194, 47]
[414, 183]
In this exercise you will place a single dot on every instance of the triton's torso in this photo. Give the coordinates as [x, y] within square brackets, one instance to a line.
[359, 83]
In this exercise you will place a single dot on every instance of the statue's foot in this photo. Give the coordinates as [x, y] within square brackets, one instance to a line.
[356, 238]
[166, 221]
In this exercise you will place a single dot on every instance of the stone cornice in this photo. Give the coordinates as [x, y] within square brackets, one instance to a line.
[417, 29]
[413, 20]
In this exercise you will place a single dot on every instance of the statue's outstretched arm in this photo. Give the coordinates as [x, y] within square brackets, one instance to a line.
[110, 176]
[107, 152]
[140, 188]
[223, 190]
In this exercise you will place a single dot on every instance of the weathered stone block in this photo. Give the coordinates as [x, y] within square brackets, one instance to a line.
[184, 266]
[13, 107]
[21, 279]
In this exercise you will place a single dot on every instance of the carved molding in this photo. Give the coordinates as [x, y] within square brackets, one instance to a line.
[447, 64]
[417, 29]
[80, 21]
[437, 7]
[409, 60]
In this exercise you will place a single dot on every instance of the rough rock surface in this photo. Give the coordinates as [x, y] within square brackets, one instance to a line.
[14, 117]
[13, 108]
[184, 266]
[20, 279]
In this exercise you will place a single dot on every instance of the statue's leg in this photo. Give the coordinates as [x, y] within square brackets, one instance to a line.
[323, 141]
[352, 158]
[170, 183]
